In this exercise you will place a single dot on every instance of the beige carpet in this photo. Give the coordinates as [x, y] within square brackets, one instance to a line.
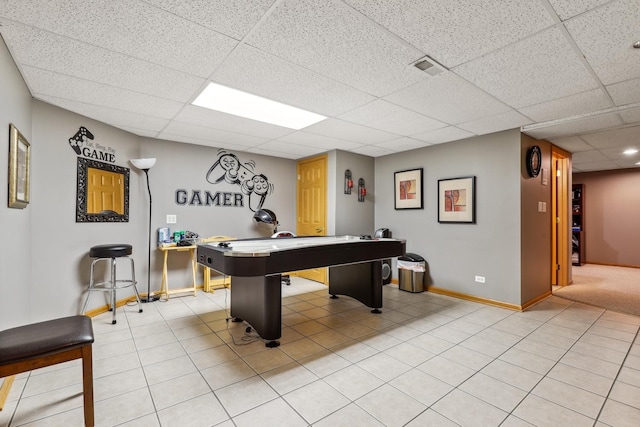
[613, 288]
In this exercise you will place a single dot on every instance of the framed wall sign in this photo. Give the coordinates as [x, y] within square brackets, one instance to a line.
[407, 189]
[19, 163]
[456, 200]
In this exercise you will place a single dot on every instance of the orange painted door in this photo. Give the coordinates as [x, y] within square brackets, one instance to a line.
[311, 206]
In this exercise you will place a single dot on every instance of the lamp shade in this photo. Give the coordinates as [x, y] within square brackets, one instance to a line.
[143, 164]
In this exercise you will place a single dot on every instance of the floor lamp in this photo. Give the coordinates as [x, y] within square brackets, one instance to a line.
[145, 165]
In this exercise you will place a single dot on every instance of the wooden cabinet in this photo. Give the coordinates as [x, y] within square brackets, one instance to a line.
[578, 231]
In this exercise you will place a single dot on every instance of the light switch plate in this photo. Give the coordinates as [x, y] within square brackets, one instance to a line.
[171, 219]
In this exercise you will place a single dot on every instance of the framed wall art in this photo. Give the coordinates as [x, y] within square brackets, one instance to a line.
[19, 164]
[408, 189]
[456, 200]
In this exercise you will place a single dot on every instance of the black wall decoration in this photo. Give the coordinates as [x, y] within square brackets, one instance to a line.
[229, 169]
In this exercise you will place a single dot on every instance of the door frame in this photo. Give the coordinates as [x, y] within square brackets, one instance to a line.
[561, 217]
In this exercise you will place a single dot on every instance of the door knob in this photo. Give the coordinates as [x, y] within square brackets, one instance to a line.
[318, 230]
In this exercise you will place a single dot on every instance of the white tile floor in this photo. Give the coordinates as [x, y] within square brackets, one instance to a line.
[427, 360]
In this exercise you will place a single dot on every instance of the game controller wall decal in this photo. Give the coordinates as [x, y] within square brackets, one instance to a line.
[228, 169]
[91, 150]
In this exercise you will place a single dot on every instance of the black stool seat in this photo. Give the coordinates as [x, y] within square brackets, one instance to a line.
[42, 344]
[110, 251]
[38, 339]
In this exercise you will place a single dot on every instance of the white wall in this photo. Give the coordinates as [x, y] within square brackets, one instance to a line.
[456, 253]
[15, 255]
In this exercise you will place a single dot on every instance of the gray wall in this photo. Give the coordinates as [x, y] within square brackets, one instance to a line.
[456, 253]
[185, 166]
[45, 270]
[353, 217]
[59, 254]
[15, 262]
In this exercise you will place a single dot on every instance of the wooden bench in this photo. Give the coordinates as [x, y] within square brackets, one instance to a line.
[42, 344]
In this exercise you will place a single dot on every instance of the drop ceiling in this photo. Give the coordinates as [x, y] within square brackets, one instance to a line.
[563, 70]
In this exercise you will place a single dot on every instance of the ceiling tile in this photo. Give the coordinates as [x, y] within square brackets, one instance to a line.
[403, 144]
[446, 134]
[631, 116]
[628, 136]
[66, 87]
[114, 117]
[389, 117]
[572, 105]
[349, 131]
[538, 69]
[260, 73]
[502, 121]
[373, 151]
[585, 125]
[448, 98]
[588, 157]
[625, 92]
[319, 141]
[133, 28]
[292, 150]
[230, 17]
[606, 39]
[199, 141]
[568, 8]
[227, 122]
[453, 32]
[571, 143]
[263, 152]
[334, 40]
[42, 49]
[618, 153]
[596, 166]
[207, 133]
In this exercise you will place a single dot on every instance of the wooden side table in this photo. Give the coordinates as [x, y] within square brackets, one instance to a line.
[164, 286]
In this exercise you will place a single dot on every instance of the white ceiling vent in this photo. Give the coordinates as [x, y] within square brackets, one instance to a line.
[429, 66]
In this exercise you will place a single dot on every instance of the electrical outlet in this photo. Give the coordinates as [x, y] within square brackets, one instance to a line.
[171, 219]
[480, 279]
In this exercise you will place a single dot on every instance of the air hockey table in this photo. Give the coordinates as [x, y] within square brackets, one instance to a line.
[256, 267]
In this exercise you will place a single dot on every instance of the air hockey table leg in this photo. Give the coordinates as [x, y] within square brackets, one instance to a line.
[258, 301]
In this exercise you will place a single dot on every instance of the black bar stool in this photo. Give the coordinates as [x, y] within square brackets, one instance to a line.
[111, 253]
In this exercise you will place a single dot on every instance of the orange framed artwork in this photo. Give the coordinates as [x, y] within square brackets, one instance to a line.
[456, 200]
[408, 189]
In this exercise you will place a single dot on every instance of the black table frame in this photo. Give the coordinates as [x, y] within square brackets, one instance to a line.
[256, 289]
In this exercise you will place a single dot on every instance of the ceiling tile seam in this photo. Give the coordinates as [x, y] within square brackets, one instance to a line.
[183, 18]
[235, 132]
[576, 117]
[419, 53]
[241, 42]
[339, 117]
[84, 42]
[104, 84]
[37, 96]
[404, 107]
[560, 24]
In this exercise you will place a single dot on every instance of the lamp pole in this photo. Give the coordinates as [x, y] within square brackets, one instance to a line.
[149, 297]
[145, 165]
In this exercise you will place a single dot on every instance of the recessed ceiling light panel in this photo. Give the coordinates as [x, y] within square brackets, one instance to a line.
[630, 151]
[243, 104]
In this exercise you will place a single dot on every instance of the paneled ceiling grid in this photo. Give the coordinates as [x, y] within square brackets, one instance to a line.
[564, 70]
